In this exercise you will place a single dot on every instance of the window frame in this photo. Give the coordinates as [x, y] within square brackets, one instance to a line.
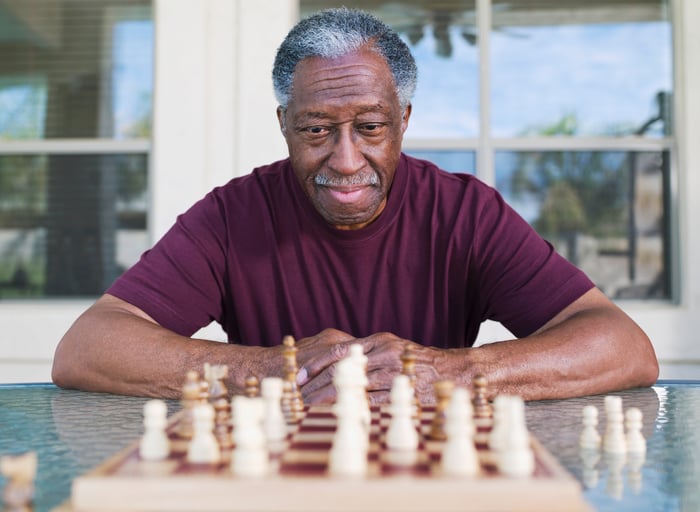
[485, 145]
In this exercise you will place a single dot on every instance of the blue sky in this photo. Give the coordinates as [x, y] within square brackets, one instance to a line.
[607, 75]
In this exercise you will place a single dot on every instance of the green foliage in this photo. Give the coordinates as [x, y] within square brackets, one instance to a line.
[579, 191]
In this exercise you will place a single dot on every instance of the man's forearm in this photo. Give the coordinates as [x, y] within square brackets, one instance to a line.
[593, 351]
[111, 349]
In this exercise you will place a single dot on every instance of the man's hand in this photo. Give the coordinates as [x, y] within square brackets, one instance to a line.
[318, 355]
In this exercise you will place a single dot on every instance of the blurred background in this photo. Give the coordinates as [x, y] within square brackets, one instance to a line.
[116, 115]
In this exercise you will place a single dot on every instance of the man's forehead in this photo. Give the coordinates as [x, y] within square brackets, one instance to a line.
[358, 109]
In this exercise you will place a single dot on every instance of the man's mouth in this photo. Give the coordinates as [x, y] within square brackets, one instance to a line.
[346, 195]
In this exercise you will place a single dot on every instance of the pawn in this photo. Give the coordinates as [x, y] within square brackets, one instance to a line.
[154, 444]
[252, 386]
[250, 455]
[516, 458]
[590, 438]
[190, 398]
[635, 440]
[482, 407]
[203, 448]
[222, 423]
[614, 439]
[459, 455]
[443, 394]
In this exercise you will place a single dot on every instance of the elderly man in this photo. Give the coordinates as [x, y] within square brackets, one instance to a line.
[351, 241]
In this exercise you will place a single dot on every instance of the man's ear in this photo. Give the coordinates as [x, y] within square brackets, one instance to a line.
[281, 118]
[405, 117]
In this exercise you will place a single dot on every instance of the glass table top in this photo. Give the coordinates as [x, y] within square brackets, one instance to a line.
[74, 431]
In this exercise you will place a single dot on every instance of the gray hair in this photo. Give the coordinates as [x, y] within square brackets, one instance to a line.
[335, 32]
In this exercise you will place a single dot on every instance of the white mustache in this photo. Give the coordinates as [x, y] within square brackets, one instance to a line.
[363, 179]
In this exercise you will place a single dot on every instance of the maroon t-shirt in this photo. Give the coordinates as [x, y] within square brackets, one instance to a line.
[446, 254]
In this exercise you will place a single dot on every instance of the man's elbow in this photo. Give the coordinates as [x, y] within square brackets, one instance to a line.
[647, 368]
[63, 368]
[649, 371]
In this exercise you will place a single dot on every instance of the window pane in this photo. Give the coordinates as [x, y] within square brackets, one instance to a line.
[580, 68]
[452, 161]
[75, 69]
[442, 38]
[69, 224]
[603, 210]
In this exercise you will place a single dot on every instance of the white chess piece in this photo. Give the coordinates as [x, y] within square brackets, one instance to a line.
[500, 423]
[635, 440]
[590, 438]
[459, 455]
[515, 458]
[274, 424]
[250, 457]
[154, 444]
[402, 433]
[351, 378]
[348, 453]
[614, 438]
[203, 448]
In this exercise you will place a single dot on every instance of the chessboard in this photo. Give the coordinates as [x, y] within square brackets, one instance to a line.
[300, 481]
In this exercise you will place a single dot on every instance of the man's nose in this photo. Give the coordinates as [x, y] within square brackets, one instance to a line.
[346, 157]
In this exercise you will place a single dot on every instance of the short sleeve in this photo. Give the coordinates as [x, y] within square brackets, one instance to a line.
[180, 281]
[524, 281]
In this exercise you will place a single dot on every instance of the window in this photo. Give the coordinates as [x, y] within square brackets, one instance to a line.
[76, 81]
[563, 105]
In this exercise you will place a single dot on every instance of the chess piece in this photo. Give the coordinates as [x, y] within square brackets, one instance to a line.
[293, 403]
[216, 375]
[250, 455]
[348, 454]
[402, 433]
[635, 440]
[350, 381]
[154, 444]
[203, 448]
[252, 386]
[459, 455]
[499, 428]
[482, 407]
[190, 398]
[222, 423]
[274, 425]
[614, 438]
[515, 458]
[20, 471]
[590, 438]
[443, 394]
[408, 368]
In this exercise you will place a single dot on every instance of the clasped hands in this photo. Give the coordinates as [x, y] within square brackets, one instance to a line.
[318, 354]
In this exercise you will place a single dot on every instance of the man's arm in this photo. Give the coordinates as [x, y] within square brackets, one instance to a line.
[115, 347]
[590, 347]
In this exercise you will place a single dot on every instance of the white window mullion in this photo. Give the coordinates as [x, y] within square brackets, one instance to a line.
[484, 157]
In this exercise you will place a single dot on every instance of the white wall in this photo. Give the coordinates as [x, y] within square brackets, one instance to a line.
[214, 119]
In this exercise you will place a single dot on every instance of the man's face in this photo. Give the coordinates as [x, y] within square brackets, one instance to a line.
[344, 128]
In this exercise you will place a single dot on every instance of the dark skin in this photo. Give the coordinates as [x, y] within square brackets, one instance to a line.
[344, 127]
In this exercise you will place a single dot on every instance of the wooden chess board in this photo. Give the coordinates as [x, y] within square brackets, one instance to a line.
[300, 481]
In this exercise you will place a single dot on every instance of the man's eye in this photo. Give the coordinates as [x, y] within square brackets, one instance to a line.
[371, 127]
[316, 130]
